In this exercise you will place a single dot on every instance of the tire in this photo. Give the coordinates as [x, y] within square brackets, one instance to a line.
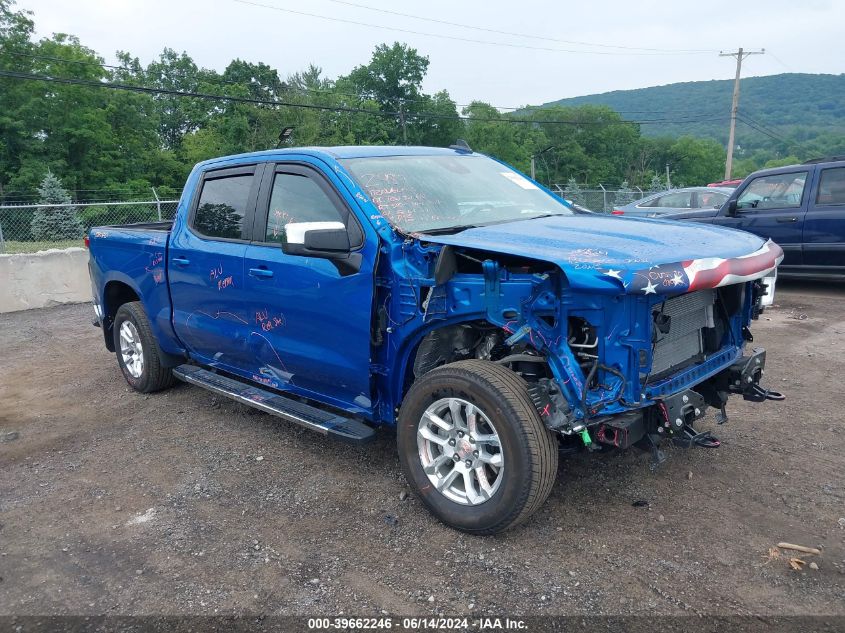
[149, 375]
[528, 450]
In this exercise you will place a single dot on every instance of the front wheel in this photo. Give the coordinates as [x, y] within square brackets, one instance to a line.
[473, 447]
[137, 351]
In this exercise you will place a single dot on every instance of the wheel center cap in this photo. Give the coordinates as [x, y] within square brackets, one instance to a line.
[464, 449]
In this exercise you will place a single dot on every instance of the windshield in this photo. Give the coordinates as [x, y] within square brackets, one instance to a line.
[441, 193]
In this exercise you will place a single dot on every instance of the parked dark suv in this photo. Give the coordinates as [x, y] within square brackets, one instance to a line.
[801, 207]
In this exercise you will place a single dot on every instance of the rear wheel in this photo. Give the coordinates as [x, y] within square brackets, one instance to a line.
[473, 447]
[137, 351]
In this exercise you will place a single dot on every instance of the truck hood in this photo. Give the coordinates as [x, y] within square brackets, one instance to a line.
[632, 255]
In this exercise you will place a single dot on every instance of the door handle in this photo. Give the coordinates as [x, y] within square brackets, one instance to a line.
[261, 273]
[180, 261]
[787, 220]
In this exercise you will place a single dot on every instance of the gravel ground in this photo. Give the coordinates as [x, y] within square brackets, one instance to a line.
[182, 503]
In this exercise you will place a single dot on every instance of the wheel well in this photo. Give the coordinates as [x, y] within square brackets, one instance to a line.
[445, 345]
[116, 293]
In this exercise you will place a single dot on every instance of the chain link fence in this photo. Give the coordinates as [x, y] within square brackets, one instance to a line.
[29, 228]
[602, 200]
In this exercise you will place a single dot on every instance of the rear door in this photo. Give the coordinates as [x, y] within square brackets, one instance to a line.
[206, 268]
[310, 317]
[773, 206]
[824, 226]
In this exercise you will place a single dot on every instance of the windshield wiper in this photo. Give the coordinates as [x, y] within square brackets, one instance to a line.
[544, 215]
[445, 230]
[454, 229]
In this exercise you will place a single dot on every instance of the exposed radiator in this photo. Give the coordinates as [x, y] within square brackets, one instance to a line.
[689, 313]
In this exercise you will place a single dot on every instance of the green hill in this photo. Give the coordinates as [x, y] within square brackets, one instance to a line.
[793, 112]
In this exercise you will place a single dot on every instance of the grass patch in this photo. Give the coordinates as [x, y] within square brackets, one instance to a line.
[34, 247]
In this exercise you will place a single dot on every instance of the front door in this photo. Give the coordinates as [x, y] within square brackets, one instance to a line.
[310, 317]
[773, 206]
[206, 269]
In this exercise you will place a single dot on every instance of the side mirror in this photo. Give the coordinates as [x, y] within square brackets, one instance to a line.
[731, 211]
[316, 239]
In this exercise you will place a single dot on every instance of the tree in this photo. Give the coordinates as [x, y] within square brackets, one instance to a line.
[487, 131]
[657, 183]
[393, 79]
[624, 195]
[591, 143]
[51, 222]
[179, 116]
[573, 192]
[696, 161]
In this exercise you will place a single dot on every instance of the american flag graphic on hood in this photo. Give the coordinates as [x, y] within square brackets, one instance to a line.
[697, 274]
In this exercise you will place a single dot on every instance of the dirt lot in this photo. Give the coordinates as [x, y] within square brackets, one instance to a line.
[180, 503]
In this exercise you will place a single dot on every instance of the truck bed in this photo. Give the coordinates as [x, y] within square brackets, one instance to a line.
[133, 257]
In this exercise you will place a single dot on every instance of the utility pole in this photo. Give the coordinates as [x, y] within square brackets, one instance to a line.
[739, 55]
[402, 121]
[533, 161]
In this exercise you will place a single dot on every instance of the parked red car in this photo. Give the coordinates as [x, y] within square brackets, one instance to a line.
[730, 184]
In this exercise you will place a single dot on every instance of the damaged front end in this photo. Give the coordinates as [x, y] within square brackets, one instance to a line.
[634, 360]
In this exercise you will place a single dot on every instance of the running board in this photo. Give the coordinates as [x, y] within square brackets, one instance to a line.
[343, 428]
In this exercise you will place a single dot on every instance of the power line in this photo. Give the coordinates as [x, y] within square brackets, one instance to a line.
[748, 119]
[287, 86]
[516, 34]
[780, 61]
[765, 128]
[762, 131]
[382, 27]
[309, 106]
[218, 79]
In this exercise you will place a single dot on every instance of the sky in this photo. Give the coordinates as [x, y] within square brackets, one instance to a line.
[507, 70]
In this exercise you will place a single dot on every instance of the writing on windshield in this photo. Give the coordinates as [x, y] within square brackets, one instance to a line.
[426, 193]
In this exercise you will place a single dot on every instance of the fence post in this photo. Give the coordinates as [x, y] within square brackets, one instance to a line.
[603, 198]
[158, 203]
[2, 241]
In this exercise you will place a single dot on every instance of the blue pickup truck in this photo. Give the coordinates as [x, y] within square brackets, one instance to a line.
[440, 292]
[801, 207]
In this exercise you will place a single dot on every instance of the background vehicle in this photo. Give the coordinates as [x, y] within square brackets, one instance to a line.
[442, 292]
[801, 207]
[728, 184]
[675, 200]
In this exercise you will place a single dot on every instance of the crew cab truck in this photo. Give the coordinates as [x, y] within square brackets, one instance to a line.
[440, 292]
[800, 207]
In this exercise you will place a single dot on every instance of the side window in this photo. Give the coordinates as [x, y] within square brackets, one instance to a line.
[832, 187]
[711, 199]
[679, 200]
[778, 191]
[222, 206]
[297, 198]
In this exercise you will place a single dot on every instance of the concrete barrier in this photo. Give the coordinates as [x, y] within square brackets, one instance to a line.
[47, 278]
